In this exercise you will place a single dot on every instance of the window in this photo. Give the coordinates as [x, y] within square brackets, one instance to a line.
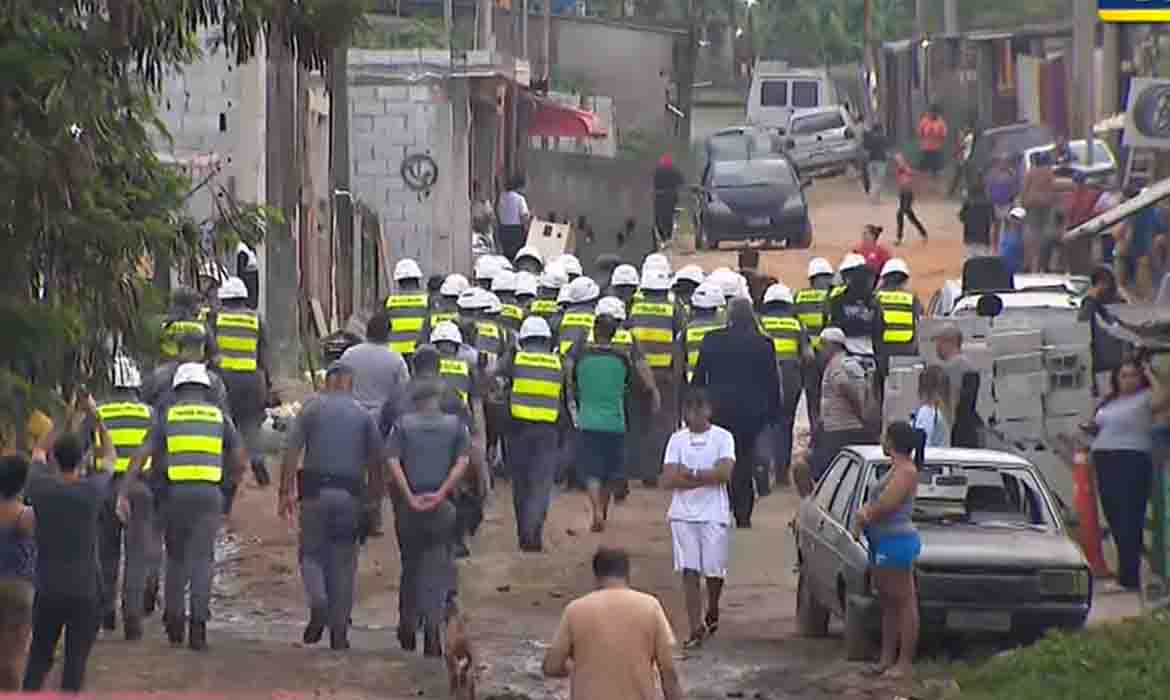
[752, 173]
[815, 123]
[805, 93]
[828, 484]
[774, 93]
[844, 497]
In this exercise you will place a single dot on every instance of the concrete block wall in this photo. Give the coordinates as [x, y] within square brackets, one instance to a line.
[390, 121]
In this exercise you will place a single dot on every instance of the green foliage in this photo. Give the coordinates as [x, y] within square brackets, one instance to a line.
[1119, 661]
[826, 32]
[419, 32]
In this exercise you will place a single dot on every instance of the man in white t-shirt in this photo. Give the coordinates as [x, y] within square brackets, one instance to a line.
[514, 217]
[698, 465]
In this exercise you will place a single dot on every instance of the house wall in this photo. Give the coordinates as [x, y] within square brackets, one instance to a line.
[391, 119]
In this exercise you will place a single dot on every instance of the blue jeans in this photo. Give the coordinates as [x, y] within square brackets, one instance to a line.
[533, 459]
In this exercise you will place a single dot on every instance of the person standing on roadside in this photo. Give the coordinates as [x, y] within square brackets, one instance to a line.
[1039, 198]
[963, 382]
[337, 440]
[18, 561]
[66, 508]
[904, 174]
[1001, 184]
[611, 641]
[737, 366]
[1108, 350]
[963, 150]
[844, 397]
[932, 139]
[977, 216]
[428, 452]
[877, 161]
[698, 464]
[667, 181]
[514, 217]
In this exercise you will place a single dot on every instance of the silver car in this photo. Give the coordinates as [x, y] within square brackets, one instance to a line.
[996, 558]
[824, 140]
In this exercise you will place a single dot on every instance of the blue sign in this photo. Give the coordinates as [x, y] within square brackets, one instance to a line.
[1133, 10]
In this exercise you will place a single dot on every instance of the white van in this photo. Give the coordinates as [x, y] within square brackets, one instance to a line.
[777, 90]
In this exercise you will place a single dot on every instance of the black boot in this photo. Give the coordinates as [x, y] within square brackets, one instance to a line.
[110, 621]
[151, 599]
[175, 631]
[407, 637]
[316, 627]
[133, 627]
[338, 638]
[198, 634]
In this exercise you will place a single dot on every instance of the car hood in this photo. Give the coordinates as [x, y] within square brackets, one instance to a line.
[969, 546]
[753, 198]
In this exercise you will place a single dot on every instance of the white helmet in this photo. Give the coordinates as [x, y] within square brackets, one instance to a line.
[407, 269]
[778, 293]
[493, 302]
[583, 290]
[535, 327]
[655, 261]
[529, 251]
[454, 285]
[624, 275]
[689, 273]
[526, 283]
[554, 277]
[851, 261]
[504, 263]
[895, 265]
[448, 331]
[819, 266]
[707, 295]
[191, 373]
[726, 280]
[472, 299]
[656, 280]
[232, 288]
[563, 295]
[126, 374]
[612, 307]
[504, 282]
[571, 264]
[486, 267]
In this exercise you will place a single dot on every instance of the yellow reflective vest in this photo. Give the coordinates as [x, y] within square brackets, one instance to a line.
[237, 336]
[897, 309]
[457, 373]
[408, 315]
[575, 326]
[194, 443]
[537, 384]
[652, 325]
[785, 334]
[810, 311]
[128, 423]
[698, 329]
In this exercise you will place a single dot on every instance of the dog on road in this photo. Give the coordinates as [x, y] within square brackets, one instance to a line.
[459, 653]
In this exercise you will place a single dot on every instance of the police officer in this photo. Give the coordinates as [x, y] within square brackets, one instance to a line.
[623, 284]
[707, 303]
[685, 282]
[545, 304]
[477, 329]
[529, 259]
[511, 312]
[128, 420]
[240, 360]
[851, 305]
[527, 285]
[577, 321]
[408, 309]
[445, 307]
[534, 375]
[341, 449]
[194, 448]
[182, 317]
[158, 390]
[778, 314]
[657, 324]
[811, 307]
[897, 320]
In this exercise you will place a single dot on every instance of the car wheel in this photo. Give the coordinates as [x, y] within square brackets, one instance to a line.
[812, 618]
[859, 644]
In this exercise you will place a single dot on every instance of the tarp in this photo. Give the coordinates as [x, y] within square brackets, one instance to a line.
[555, 120]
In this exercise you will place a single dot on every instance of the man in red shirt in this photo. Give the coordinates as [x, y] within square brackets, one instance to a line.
[875, 254]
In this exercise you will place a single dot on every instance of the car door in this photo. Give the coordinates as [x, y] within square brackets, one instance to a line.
[842, 549]
[815, 550]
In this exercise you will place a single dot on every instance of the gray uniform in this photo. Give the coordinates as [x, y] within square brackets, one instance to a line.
[192, 511]
[340, 439]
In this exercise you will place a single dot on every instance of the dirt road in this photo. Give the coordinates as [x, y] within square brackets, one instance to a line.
[515, 600]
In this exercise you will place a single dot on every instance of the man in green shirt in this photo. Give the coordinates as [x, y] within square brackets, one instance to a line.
[600, 378]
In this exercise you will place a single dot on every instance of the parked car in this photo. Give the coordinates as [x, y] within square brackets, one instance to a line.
[1043, 291]
[996, 558]
[823, 140]
[1104, 164]
[740, 143]
[761, 198]
[777, 90]
[1011, 140]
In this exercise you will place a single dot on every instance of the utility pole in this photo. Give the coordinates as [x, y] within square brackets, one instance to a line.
[546, 49]
[951, 17]
[282, 318]
[1084, 40]
[524, 30]
[868, 51]
[340, 195]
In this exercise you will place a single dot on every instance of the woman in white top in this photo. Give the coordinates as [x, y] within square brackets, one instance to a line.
[933, 415]
[513, 217]
[698, 465]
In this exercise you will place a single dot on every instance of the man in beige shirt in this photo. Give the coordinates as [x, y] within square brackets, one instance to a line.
[611, 640]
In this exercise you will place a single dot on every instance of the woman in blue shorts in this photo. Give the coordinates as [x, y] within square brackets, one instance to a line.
[893, 547]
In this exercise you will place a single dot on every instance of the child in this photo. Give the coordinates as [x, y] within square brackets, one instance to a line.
[699, 461]
[933, 415]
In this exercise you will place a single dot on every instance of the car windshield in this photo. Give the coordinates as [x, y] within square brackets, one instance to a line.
[737, 145]
[752, 173]
[984, 495]
[815, 123]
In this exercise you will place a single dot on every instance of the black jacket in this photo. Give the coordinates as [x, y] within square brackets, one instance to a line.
[738, 369]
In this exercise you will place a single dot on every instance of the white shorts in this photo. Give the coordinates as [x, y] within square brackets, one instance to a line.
[700, 546]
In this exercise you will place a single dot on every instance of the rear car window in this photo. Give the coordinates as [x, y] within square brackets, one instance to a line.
[774, 93]
[751, 173]
[815, 123]
[805, 93]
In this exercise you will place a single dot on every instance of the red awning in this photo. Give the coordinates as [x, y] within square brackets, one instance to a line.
[555, 120]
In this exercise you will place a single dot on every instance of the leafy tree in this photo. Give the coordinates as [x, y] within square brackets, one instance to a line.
[83, 197]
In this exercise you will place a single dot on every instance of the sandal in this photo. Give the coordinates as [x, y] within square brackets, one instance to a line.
[711, 624]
